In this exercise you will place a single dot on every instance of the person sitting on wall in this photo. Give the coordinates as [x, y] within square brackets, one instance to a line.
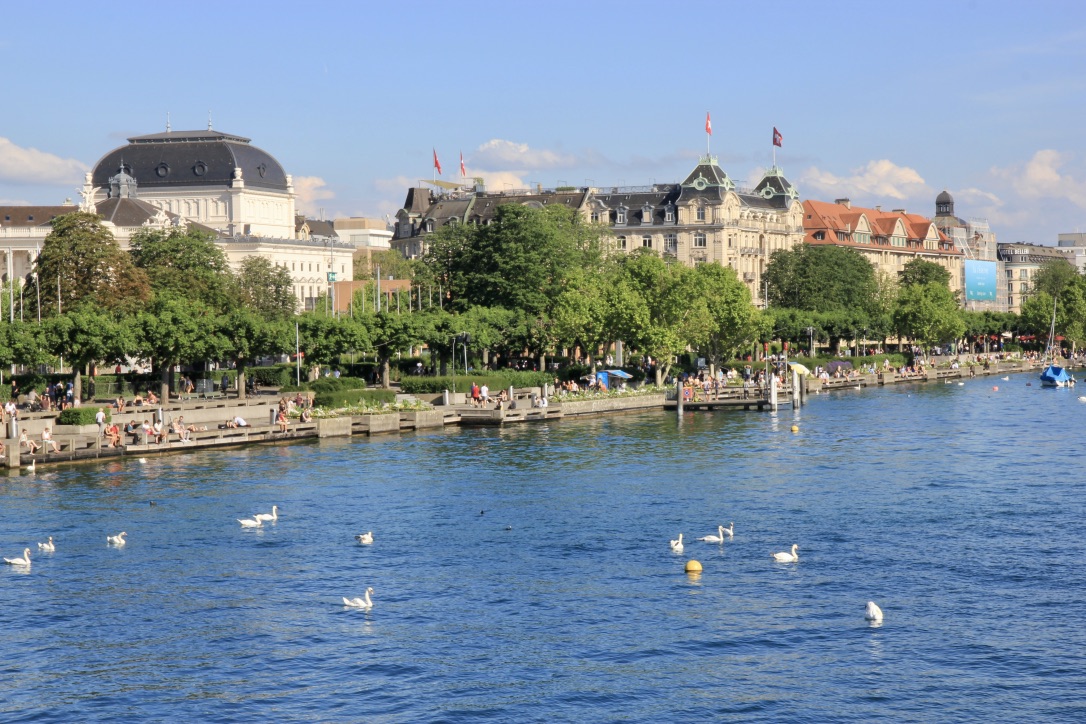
[26, 442]
[119, 403]
[48, 442]
[138, 400]
[180, 429]
[281, 420]
[113, 434]
[152, 398]
[307, 416]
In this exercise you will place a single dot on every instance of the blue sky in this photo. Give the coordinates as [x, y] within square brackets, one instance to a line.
[884, 102]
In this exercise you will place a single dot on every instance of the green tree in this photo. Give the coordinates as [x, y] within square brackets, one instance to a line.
[929, 314]
[265, 288]
[81, 262]
[22, 343]
[389, 333]
[734, 318]
[87, 334]
[921, 271]
[658, 310]
[185, 263]
[1053, 277]
[175, 330]
[324, 338]
[581, 312]
[250, 337]
[821, 278]
[392, 264]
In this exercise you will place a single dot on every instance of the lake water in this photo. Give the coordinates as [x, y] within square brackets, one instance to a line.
[959, 509]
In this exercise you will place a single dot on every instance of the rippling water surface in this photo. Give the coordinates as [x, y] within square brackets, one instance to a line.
[959, 509]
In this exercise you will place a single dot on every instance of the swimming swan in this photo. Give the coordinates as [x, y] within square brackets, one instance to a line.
[48, 546]
[787, 557]
[24, 561]
[250, 522]
[274, 515]
[116, 540]
[677, 545]
[730, 530]
[1005, 379]
[719, 538]
[365, 604]
[873, 612]
[365, 538]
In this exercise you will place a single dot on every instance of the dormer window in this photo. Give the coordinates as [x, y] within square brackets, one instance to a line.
[646, 214]
[595, 217]
[429, 225]
[620, 215]
[669, 213]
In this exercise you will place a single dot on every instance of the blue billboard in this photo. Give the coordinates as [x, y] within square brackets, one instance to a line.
[980, 281]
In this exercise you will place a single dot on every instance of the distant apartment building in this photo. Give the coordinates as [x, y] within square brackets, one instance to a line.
[887, 239]
[1075, 247]
[703, 219]
[1021, 263]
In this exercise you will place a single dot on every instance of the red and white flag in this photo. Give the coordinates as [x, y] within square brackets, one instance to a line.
[777, 137]
[708, 124]
[463, 171]
[437, 164]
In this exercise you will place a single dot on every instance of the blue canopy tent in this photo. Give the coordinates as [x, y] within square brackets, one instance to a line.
[606, 378]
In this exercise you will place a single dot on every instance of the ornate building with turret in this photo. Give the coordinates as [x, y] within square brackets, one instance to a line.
[704, 219]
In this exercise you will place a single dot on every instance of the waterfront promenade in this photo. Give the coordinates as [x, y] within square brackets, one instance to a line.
[82, 443]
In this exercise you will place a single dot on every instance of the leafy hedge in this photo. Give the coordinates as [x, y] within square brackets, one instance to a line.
[352, 397]
[79, 416]
[327, 384]
[274, 376]
[494, 380]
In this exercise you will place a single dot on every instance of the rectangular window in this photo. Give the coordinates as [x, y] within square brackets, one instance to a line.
[701, 213]
[620, 217]
[699, 240]
[669, 214]
[646, 241]
[671, 244]
[622, 243]
[595, 217]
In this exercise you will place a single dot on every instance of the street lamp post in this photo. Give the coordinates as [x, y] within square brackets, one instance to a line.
[810, 336]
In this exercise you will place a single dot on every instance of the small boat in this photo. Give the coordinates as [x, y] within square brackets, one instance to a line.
[1053, 375]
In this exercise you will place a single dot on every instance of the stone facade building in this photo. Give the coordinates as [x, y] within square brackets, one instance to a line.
[703, 219]
[1021, 262]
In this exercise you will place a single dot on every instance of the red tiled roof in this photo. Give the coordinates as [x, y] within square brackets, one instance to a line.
[834, 219]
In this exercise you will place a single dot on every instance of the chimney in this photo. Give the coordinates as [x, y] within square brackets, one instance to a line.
[878, 208]
[899, 211]
[843, 202]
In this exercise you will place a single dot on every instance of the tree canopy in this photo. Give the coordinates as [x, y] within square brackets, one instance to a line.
[821, 278]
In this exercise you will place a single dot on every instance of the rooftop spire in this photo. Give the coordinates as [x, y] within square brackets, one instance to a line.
[209, 119]
[167, 122]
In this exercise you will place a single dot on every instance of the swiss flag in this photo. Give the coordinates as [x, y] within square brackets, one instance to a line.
[708, 124]
[777, 137]
[463, 172]
[437, 164]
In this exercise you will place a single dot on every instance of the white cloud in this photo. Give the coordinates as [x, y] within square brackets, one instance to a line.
[878, 179]
[1041, 178]
[498, 153]
[13, 202]
[31, 166]
[398, 185]
[308, 190]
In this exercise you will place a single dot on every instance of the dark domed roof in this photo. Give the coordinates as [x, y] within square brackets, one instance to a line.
[944, 198]
[191, 158]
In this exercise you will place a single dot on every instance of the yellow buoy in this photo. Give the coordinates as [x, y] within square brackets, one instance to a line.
[795, 428]
[693, 566]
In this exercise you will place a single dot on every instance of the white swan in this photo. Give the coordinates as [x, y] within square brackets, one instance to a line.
[274, 515]
[961, 384]
[24, 561]
[729, 531]
[33, 466]
[364, 603]
[47, 546]
[873, 612]
[1005, 379]
[116, 540]
[250, 522]
[365, 538]
[1082, 398]
[677, 545]
[719, 538]
[787, 557]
